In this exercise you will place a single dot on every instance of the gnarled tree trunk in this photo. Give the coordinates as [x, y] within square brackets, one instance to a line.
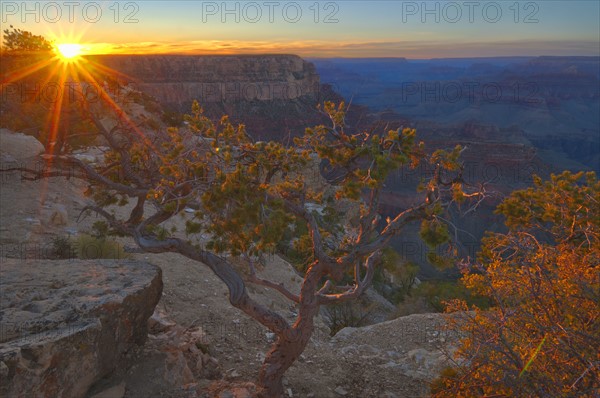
[291, 343]
[283, 354]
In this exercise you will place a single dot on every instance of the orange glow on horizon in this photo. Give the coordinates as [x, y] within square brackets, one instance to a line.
[410, 49]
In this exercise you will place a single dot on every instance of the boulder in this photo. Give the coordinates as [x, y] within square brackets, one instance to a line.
[415, 347]
[17, 146]
[65, 324]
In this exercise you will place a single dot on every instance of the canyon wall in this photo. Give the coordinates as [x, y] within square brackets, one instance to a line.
[273, 95]
[176, 80]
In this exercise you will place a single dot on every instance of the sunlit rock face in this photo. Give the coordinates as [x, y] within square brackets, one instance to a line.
[177, 80]
[65, 324]
[273, 95]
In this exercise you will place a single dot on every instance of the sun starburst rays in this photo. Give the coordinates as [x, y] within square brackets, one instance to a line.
[71, 80]
[19, 74]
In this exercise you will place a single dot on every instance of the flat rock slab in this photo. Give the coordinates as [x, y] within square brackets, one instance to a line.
[65, 324]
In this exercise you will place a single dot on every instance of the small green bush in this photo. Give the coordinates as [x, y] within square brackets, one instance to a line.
[90, 247]
[62, 247]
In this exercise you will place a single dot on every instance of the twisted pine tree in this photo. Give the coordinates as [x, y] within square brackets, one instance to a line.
[247, 194]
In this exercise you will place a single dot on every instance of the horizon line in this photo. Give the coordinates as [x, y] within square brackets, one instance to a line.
[336, 57]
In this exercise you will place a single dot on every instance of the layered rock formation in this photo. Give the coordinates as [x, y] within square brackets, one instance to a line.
[177, 80]
[65, 324]
[273, 95]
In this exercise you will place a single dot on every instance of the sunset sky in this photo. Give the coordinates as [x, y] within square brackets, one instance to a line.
[318, 29]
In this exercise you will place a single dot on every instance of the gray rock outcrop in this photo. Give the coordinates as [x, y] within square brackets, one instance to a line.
[66, 324]
[14, 147]
[403, 354]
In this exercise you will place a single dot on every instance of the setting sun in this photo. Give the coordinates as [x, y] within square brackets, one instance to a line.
[69, 50]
